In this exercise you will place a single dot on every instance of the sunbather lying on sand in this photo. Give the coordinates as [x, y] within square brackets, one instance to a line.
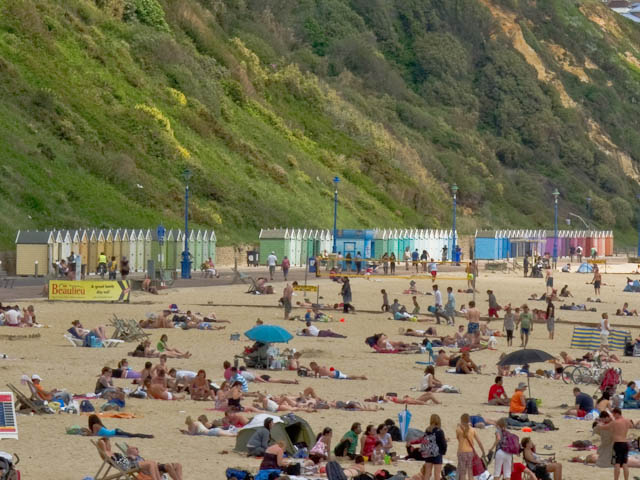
[144, 350]
[383, 343]
[78, 331]
[252, 377]
[322, 371]
[279, 404]
[410, 332]
[196, 427]
[96, 428]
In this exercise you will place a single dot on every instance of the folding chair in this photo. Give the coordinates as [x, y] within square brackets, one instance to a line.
[253, 288]
[24, 403]
[108, 464]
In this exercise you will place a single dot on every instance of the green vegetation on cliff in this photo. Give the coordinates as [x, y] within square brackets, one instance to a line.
[103, 103]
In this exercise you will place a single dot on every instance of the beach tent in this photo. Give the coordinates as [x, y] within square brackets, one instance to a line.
[585, 268]
[290, 428]
[588, 338]
[31, 247]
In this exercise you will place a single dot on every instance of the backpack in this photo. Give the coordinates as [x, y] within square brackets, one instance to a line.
[86, 406]
[510, 443]
[236, 474]
[532, 407]
[429, 446]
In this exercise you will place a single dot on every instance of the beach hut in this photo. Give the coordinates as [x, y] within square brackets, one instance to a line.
[66, 245]
[34, 246]
[75, 241]
[125, 245]
[140, 253]
[378, 244]
[171, 250]
[311, 247]
[147, 249]
[57, 245]
[92, 255]
[102, 244]
[196, 250]
[608, 247]
[601, 244]
[289, 239]
[486, 245]
[108, 243]
[302, 259]
[272, 240]
[133, 250]
[205, 246]
[83, 247]
[212, 244]
[296, 251]
[117, 245]
[157, 251]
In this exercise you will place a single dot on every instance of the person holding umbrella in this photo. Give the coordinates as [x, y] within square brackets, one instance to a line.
[518, 403]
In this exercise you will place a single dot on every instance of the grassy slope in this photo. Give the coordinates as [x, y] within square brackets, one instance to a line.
[93, 107]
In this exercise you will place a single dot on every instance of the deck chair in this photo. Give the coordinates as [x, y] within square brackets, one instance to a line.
[78, 342]
[135, 332]
[108, 464]
[31, 404]
[253, 287]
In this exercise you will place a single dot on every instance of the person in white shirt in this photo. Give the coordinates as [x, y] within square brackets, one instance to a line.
[439, 309]
[12, 317]
[272, 261]
[312, 329]
[605, 330]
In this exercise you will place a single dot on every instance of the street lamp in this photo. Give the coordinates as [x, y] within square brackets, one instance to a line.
[454, 190]
[336, 180]
[555, 194]
[186, 256]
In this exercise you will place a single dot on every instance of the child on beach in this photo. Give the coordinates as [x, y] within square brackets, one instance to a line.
[385, 301]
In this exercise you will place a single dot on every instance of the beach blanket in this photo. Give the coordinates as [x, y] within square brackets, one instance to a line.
[113, 414]
[589, 338]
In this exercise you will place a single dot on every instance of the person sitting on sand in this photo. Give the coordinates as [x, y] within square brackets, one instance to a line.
[200, 388]
[231, 418]
[429, 382]
[465, 365]
[518, 403]
[77, 331]
[105, 388]
[564, 292]
[273, 458]
[234, 399]
[252, 377]
[321, 450]
[259, 440]
[196, 427]
[322, 371]
[162, 347]
[293, 361]
[159, 388]
[442, 359]
[96, 428]
[535, 463]
[497, 395]
[398, 311]
[180, 379]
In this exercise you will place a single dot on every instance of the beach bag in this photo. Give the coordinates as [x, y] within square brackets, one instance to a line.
[510, 443]
[477, 465]
[294, 469]
[267, 474]
[429, 446]
[395, 433]
[334, 471]
[236, 474]
[532, 407]
[86, 406]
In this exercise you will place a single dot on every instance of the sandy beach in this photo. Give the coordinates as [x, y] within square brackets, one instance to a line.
[46, 451]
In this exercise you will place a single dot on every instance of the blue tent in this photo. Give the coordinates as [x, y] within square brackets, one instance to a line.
[585, 268]
[635, 287]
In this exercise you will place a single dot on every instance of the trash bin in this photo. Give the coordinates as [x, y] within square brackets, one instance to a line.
[312, 265]
[253, 258]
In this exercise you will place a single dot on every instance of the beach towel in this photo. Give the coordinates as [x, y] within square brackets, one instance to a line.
[114, 415]
[589, 338]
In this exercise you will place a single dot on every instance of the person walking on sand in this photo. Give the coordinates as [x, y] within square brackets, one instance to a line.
[272, 261]
[509, 324]
[287, 294]
[346, 296]
[415, 260]
[450, 307]
[406, 257]
[596, 280]
[493, 305]
[466, 436]
[439, 310]
[619, 428]
[473, 318]
[549, 280]
[525, 321]
[286, 265]
[525, 263]
[551, 317]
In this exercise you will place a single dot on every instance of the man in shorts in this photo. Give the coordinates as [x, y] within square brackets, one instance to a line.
[619, 429]
[525, 321]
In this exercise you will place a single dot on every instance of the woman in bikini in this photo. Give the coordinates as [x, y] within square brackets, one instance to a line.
[200, 388]
[235, 397]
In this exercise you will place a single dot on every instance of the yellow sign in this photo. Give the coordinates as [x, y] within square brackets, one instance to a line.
[90, 290]
[305, 288]
[598, 261]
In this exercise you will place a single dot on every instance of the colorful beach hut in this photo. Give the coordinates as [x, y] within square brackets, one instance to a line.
[102, 244]
[140, 253]
[92, 260]
[108, 244]
[273, 240]
[212, 245]
[34, 246]
[117, 245]
[133, 250]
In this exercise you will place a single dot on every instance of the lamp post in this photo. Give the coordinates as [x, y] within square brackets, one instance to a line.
[336, 180]
[454, 190]
[555, 194]
[186, 256]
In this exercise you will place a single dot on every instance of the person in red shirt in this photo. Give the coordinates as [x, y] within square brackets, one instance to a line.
[497, 395]
[521, 472]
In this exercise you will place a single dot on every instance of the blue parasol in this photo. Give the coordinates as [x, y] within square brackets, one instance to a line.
[268, 334]
[404, 419]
